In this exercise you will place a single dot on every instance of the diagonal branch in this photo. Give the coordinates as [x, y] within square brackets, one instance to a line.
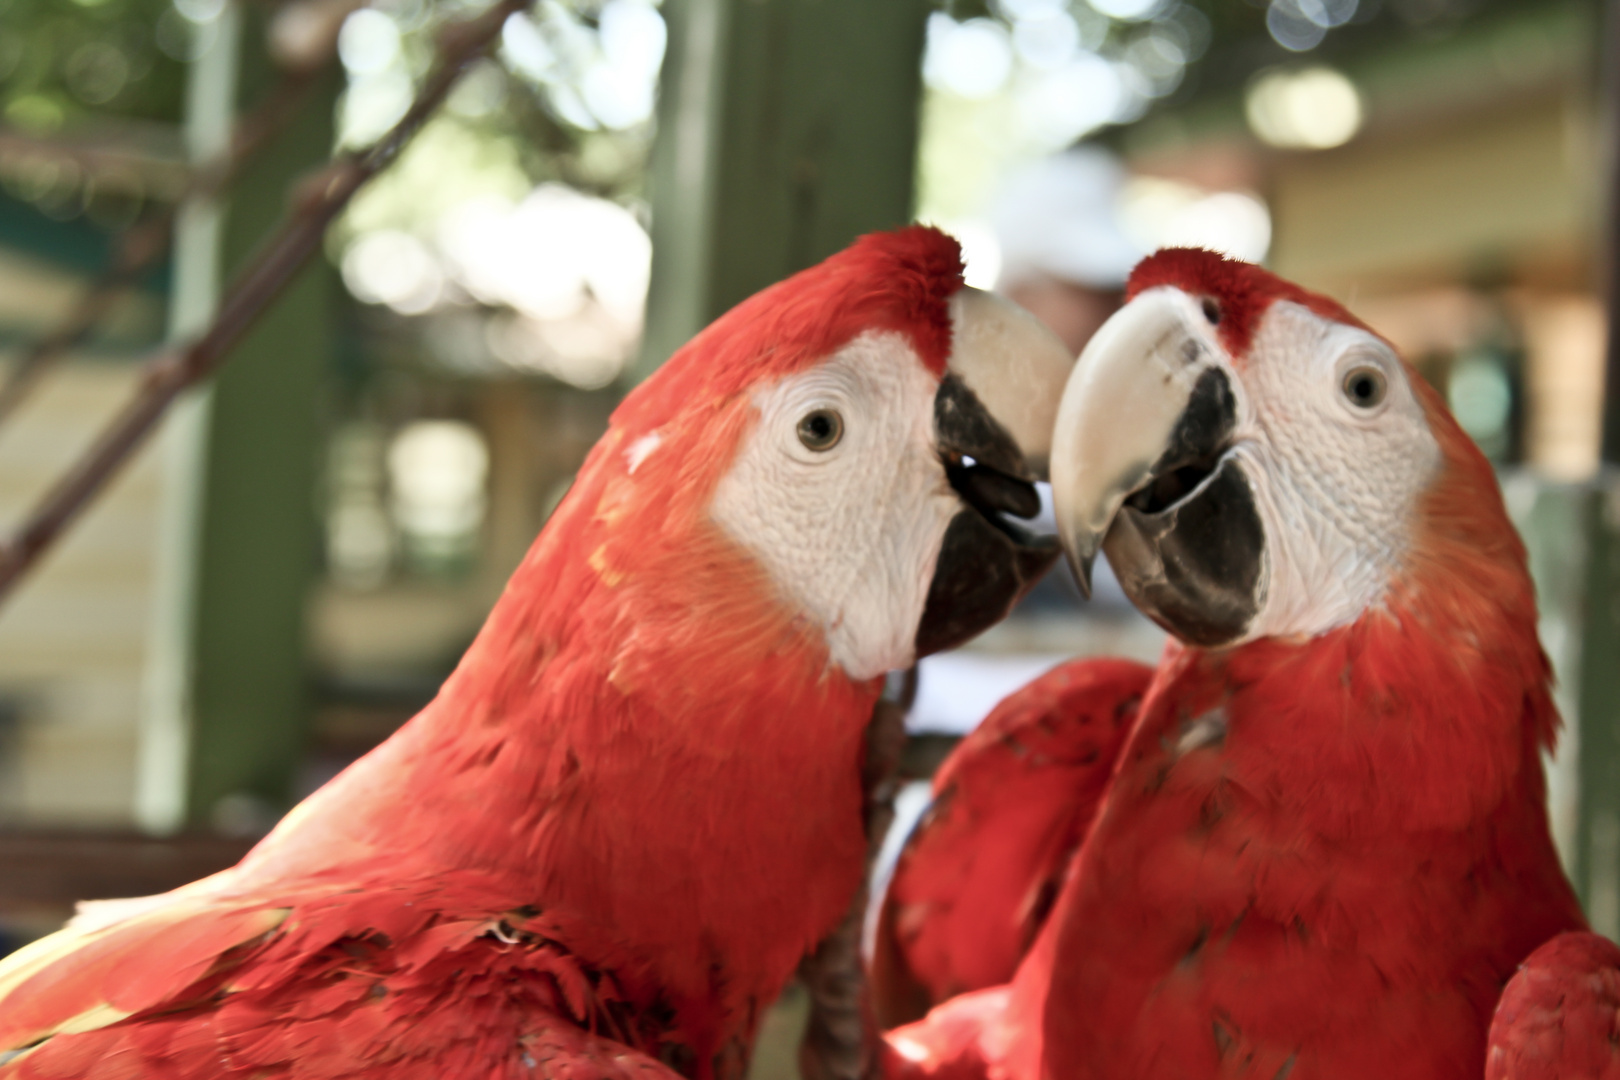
[143, 244]
[317, 202]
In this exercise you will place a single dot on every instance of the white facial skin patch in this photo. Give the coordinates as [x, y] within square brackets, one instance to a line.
[1336, 482]
[851, 532]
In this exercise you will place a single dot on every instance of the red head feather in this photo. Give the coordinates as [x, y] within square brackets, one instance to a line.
[900, 281]
[1242, 291]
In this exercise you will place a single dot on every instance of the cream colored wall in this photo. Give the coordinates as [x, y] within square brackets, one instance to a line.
[1432, 203]
[72, 637]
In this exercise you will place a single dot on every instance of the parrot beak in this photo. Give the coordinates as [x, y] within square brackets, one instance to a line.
[1142, 468]
[993, 418]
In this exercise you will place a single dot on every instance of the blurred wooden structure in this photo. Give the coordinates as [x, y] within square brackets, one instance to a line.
[224, 672]
[46, 871]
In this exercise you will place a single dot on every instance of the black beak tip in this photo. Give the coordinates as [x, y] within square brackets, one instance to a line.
[1081, 565]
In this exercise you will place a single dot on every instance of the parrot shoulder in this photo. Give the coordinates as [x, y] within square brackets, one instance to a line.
[1011, 805]
[1559, 1015]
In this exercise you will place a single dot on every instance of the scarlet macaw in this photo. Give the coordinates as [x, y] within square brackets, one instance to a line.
[636, 804]
[1323, 846]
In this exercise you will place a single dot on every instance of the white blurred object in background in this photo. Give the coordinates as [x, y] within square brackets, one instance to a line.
[436, 473]
[1060, 216]
[972, 59]
[394, 268]
[1129, 10]
[572, 268]
[550, 253]
[1315, 108]
[1173, 213]
[956, 690]
[981, 252]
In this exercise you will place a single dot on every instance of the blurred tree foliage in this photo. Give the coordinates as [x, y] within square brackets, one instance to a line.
[66, 62]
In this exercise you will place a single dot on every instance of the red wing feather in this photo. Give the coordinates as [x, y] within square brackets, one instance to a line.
[90, 980]
[193, 1046]
[343, 986]
[1011, 806]
[1559, 1018]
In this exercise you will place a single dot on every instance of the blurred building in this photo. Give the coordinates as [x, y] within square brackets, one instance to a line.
[73, 643]
[1445, 185]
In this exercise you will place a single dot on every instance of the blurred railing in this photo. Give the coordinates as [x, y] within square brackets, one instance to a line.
[1572, 531]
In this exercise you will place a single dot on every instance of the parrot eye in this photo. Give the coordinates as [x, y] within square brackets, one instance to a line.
[1212, 310]
[820, 430]
[1365, 387]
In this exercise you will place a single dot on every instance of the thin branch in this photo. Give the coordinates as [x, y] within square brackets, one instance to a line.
[272, 268]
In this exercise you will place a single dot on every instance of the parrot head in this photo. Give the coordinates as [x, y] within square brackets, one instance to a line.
[865, 432]
[1256, 462]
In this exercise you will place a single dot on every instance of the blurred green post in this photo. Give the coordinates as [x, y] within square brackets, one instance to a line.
[259, 526]
[786, 128]
[1597, 874]
[1569, 529]
[1596, 867]
[227, 711]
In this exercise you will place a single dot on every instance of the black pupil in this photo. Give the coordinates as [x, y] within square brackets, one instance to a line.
[1212, 311]
[820, 426]
[1363, 388]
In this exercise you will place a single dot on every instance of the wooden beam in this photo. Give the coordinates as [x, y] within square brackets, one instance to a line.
[50, 870]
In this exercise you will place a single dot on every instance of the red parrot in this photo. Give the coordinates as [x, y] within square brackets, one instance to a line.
[1323, 849]
[636, 804]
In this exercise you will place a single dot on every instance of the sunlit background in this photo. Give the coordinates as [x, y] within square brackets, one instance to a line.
[1433, 163]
